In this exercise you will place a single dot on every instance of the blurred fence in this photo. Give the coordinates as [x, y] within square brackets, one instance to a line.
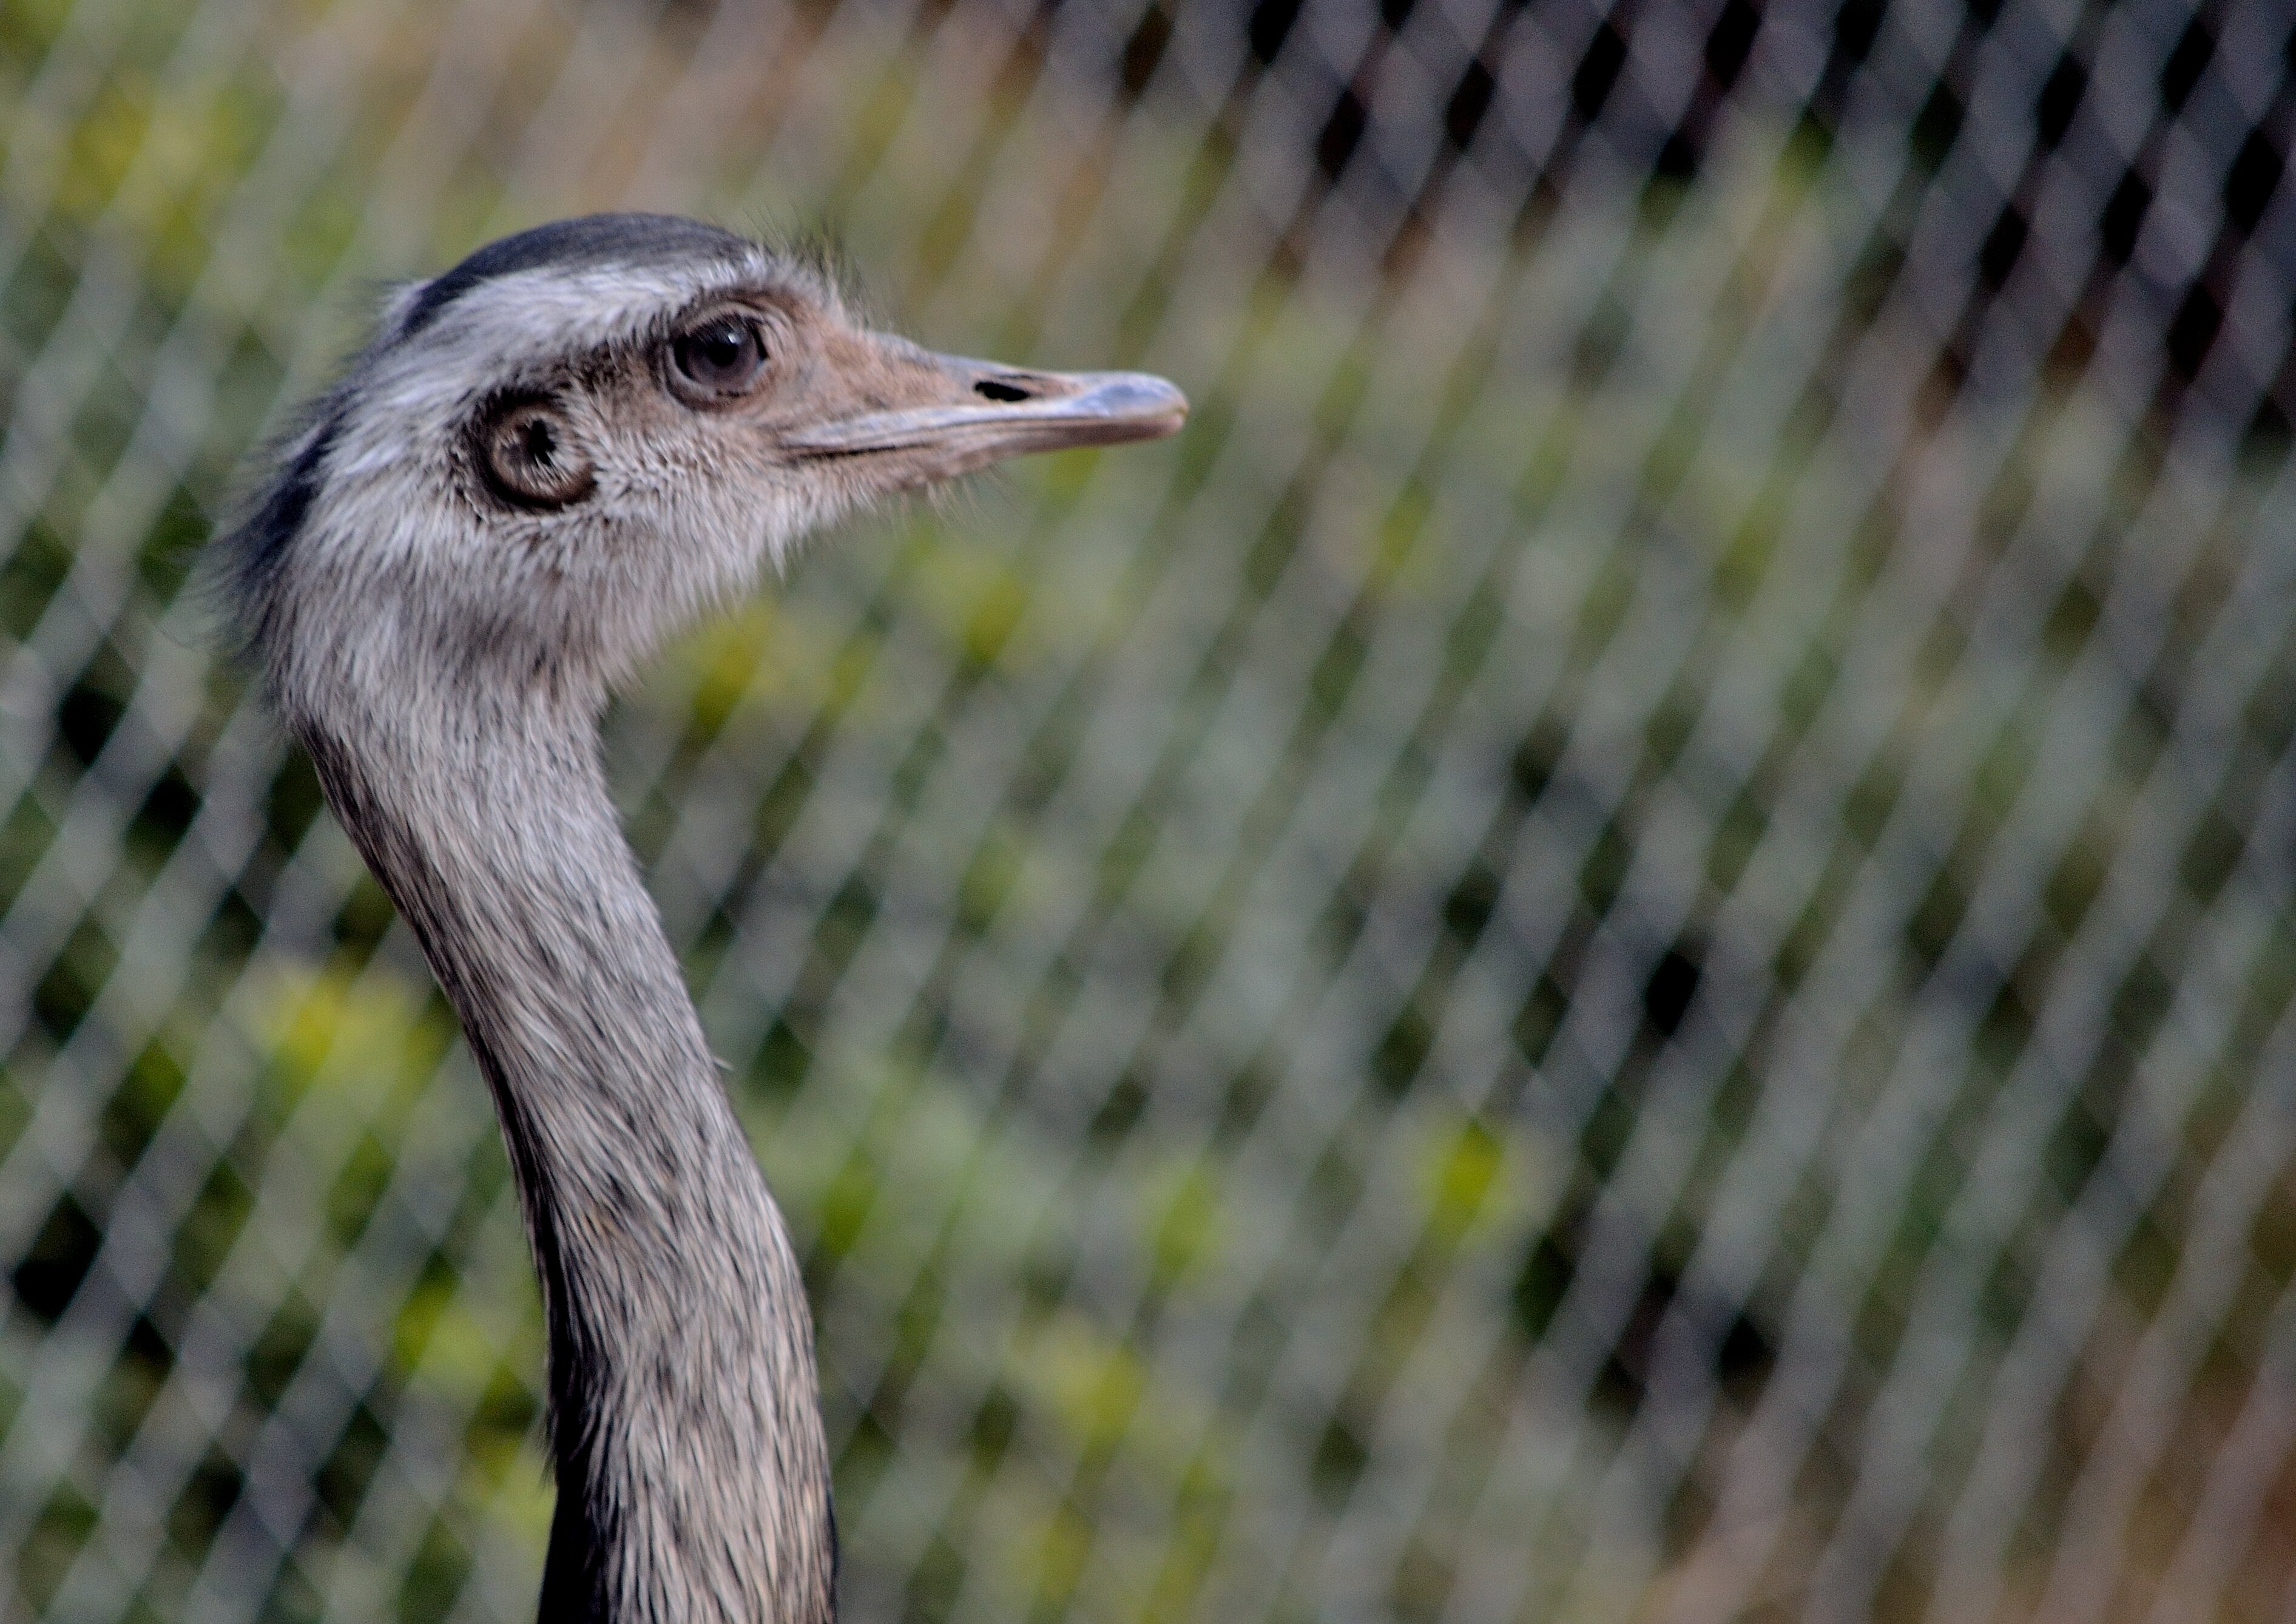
[1617, 947]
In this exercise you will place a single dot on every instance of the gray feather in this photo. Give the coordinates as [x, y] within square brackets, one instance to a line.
[549, 459]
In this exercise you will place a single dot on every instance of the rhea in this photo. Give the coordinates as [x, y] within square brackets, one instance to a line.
[544, 463]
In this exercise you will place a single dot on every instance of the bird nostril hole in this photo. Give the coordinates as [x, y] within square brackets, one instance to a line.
[990, 388]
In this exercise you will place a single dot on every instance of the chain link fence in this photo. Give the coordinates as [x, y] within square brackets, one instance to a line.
[1617, 947]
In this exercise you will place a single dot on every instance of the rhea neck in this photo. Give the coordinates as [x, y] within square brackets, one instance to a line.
[693, 1480]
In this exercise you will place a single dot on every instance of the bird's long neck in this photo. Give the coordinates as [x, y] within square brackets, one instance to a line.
[692, 1469]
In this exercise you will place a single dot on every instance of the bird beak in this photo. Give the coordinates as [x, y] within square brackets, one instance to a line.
[932, 417]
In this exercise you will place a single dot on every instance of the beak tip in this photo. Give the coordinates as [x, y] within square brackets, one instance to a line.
[1153, 404]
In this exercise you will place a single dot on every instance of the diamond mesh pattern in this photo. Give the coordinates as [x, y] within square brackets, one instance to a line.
[1617, 947]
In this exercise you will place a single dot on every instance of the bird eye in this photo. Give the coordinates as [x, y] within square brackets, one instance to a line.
[720, 357]
[530, 458]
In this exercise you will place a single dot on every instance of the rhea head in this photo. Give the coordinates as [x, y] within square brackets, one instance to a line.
[567, 446]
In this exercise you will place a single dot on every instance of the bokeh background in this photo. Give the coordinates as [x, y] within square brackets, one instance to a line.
[1617, 947]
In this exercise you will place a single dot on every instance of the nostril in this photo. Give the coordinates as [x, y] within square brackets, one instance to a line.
[991, 388]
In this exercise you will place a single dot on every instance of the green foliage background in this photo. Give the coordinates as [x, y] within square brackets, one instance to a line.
[1604, 951]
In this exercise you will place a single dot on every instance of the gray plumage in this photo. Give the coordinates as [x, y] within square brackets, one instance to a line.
[546, 461]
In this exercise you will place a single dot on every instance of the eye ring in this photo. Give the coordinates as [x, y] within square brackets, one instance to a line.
[720, 357]
[529, 454]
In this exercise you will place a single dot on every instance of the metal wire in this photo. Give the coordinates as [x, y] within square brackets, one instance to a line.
[1617, 947]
